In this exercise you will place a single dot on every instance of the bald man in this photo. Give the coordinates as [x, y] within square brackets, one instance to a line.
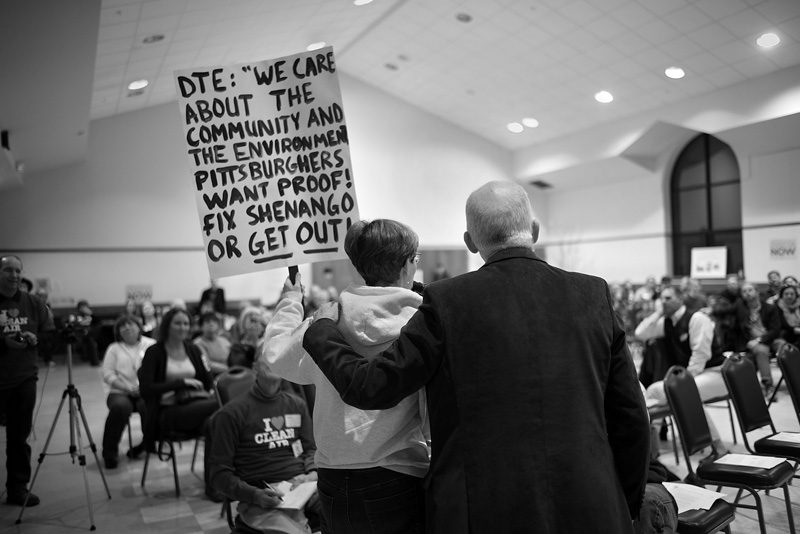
[537, 418]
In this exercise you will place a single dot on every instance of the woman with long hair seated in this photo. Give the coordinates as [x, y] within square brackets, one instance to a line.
[370, 463]
[175, 382]
[120, 365]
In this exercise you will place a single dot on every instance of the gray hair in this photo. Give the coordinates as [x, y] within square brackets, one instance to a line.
[499, 215]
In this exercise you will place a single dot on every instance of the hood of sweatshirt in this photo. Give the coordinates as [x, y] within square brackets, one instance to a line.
[374, 316]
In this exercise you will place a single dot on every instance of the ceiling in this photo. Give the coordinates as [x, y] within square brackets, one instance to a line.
[65, 64]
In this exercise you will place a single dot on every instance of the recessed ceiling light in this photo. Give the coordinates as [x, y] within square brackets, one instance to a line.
[315, 46]
[768, 40]
[138, 84]
[515, 127]
[361, 2]
[150, 39]
[391, 66]
[464, 17]
[676, 73]
[530, 122]
[604, 97]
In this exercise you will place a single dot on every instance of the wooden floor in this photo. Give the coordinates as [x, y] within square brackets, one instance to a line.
[65, 502]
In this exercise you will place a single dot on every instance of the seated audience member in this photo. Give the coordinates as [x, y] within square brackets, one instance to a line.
[234, 330]
[131, 308]
[787, 281]
[362, 455]
[216, 296]
[84, 316]
[694, 297]
[659, 512]
[149, 319]
[214, 347]
[26, 285]
[48, 341]
[757, 327]
[317, 297]
[120, 366]
[251, 327]
[685, 337]
[789, 306]
[175, 382]
[263, 437]
[732, 292]
[773, 285]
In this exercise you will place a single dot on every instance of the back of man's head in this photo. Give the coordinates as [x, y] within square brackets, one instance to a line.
[499, 215]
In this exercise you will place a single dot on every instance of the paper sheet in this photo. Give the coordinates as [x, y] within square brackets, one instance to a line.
[297, 498]
[691, 497]
[791, 437]
[752, 460]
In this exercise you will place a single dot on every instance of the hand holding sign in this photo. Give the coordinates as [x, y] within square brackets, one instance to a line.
[270, 161]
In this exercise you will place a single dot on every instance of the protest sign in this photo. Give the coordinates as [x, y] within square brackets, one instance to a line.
[270, 161]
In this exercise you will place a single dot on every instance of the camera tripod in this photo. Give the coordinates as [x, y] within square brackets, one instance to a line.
[75, 408]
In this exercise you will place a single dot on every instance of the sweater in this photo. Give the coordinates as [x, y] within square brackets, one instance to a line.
[347, 437]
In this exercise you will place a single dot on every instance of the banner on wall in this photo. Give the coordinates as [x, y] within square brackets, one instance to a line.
[138, 292]
[783, 249]
[270, 161]
[709, 262]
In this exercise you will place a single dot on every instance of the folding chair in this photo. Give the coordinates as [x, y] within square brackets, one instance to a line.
[658, 413]
[789, 362]
[715, 519]
[742, 381]
[687, 409]
[229, 385]
[171, 439]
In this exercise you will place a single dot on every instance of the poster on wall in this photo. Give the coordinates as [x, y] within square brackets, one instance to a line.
[782, 249]
[270, 161]
[709, 262]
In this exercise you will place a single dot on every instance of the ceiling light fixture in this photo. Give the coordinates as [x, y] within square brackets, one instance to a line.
[315, 46]
[530, 122]
[676, 73]
[464, 17]
[515, 127]
[391, 66]
[604, 97]
[138, 84]
[361, 2]
[768, 40]
[150, 39]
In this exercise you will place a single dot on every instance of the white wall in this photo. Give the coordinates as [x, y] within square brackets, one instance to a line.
[127, 215]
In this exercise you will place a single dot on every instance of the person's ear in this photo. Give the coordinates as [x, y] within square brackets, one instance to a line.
[535, 230]
[470, 243]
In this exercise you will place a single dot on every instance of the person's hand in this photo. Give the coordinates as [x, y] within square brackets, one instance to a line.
[300, 479]
[13, 343]
[192, 383]
[267, 497]
[329, 310]
[288, 286]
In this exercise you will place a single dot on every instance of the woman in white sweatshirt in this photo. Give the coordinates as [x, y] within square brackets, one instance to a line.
[371, 463]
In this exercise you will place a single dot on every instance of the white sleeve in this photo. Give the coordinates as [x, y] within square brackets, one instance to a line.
[109, 370]
[651, 327]
[701, 334]
[283, 341]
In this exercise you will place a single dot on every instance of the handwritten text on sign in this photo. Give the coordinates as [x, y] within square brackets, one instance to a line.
[270, 161]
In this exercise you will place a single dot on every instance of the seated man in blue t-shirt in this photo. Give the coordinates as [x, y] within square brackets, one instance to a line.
[260, 438]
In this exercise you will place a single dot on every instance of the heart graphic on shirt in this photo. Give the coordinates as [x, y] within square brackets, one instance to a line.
[13, 312]
[277, 422]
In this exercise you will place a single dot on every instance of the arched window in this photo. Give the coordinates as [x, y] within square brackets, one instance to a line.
[706, 203]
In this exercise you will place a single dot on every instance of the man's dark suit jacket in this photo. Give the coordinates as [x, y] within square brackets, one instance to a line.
[538, 423]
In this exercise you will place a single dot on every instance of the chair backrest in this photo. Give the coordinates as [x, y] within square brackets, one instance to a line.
[232, 383]
[687, 410]
[789, 362]
[742, 381]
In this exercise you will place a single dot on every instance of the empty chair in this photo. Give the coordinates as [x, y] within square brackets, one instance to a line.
[715, 519]
[687, 410]
[742, 381]
[789, 362]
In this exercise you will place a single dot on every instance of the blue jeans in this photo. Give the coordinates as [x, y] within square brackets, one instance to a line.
[659, 513]
[370, 501]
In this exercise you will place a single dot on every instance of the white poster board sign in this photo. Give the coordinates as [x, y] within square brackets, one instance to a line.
[270, 161]
[709, 262]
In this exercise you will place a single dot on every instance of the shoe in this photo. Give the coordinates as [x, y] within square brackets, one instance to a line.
[662, 434]
[769, 390]
[111, 463]
[136, 452]
[18, 498]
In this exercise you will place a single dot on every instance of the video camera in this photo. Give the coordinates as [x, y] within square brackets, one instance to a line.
[75, 327]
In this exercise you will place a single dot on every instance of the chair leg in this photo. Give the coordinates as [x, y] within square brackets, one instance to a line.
[194, 454]
[175, 470]
[789, 514]
[146, 463]
[760, 510]
[775, 392]
[674, 440]
[130, 438]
